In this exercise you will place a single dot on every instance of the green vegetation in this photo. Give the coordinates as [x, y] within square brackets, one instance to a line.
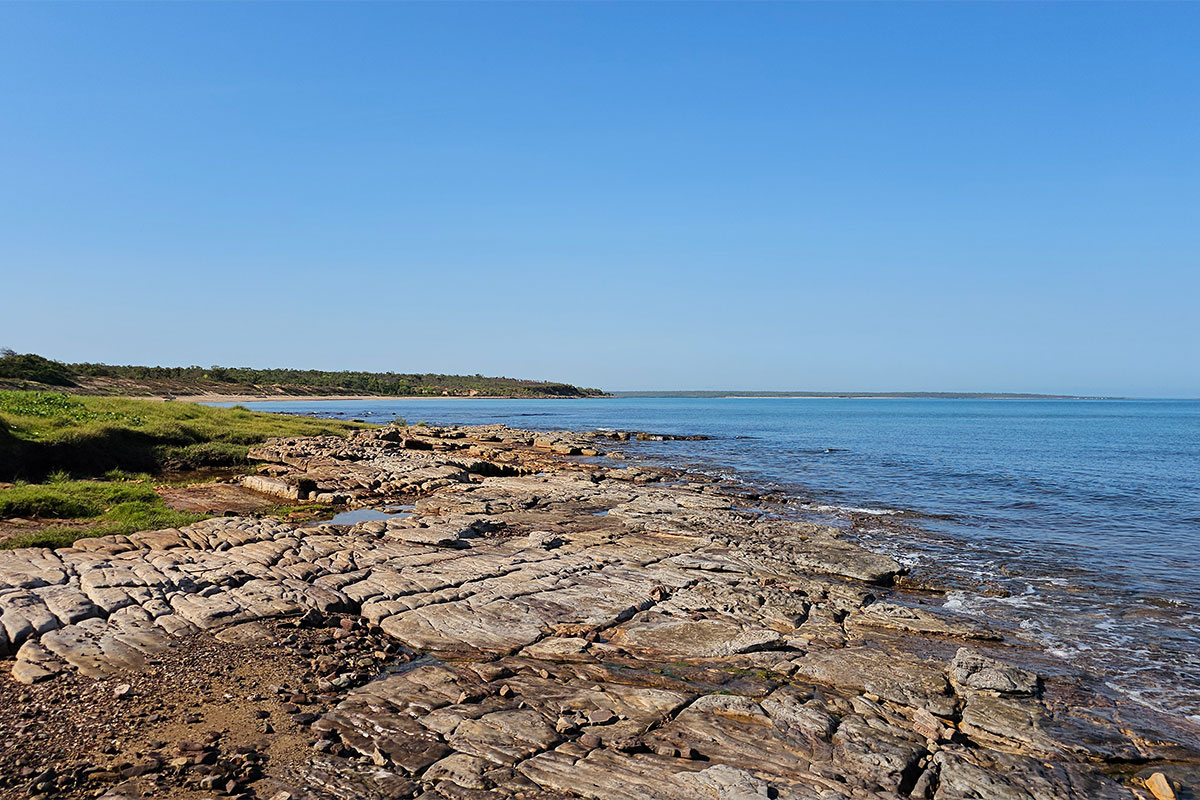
[30, 367]
[25, 371]
[41, 432]
[116, 507]
[89, 427]
[61, 498]
[51, 436]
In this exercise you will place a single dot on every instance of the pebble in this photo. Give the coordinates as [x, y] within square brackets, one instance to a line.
[1160, 787]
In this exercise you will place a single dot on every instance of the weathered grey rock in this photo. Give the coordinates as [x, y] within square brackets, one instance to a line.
[969, 774]
[581, 632]
[972, 670]
[387, 738]
[705, 638]
[35, 663]
[558, 648]
[274, 487]
[896, 616]
[898, 678]
[823, 551]
[723, 782]
[461, 769]
[434, 536]
[504, 737]
[326, 778]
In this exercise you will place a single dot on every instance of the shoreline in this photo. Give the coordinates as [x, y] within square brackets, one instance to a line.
[568, 625]
[941, 544]
[248, 398]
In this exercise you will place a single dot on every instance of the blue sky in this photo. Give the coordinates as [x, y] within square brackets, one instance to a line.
[968, 197]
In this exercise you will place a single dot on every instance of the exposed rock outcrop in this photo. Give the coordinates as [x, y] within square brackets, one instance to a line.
[567, 629]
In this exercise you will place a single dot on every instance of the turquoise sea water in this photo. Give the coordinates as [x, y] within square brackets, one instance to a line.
[1077, 523]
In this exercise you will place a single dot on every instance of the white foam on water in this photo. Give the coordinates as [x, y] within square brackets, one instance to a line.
[828, 509]
[956, 601]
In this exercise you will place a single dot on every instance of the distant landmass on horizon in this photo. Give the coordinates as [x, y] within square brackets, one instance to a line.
[870, 395]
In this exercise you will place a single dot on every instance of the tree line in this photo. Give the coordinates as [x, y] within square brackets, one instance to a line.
[35, 368]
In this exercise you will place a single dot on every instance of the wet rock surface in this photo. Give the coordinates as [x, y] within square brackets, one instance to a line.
[541, 626]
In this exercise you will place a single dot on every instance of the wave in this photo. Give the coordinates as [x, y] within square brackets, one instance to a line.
[830, 509]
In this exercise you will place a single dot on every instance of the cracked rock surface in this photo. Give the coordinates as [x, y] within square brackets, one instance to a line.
[549, 627]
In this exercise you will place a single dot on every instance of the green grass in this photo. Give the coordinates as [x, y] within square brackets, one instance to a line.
[41, 432]
[118, 507]
[71, 499]
[53, 437]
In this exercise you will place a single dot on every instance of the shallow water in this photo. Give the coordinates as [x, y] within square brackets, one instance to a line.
[1076, 522]
[356, 515]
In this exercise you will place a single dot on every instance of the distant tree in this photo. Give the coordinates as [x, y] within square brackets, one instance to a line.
[32, 367]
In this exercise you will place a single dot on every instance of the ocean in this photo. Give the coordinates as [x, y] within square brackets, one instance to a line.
[1074, 523]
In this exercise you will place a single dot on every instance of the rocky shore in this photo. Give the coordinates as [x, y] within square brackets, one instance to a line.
[537, 623]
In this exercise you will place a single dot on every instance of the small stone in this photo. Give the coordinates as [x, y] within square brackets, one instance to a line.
[601, 716]
[102, 776]
[1160, 786]
[927, 725]
[122, 691]
[590, 740]
[628, 744]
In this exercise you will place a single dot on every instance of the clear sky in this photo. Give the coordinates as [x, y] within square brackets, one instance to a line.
[948, 196]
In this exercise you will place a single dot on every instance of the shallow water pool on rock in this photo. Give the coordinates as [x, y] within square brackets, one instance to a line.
[356, 515]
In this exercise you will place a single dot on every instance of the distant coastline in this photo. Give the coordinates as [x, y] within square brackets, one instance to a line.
[737, 395]
[263, 398]
[30, 371]
[323, 398]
